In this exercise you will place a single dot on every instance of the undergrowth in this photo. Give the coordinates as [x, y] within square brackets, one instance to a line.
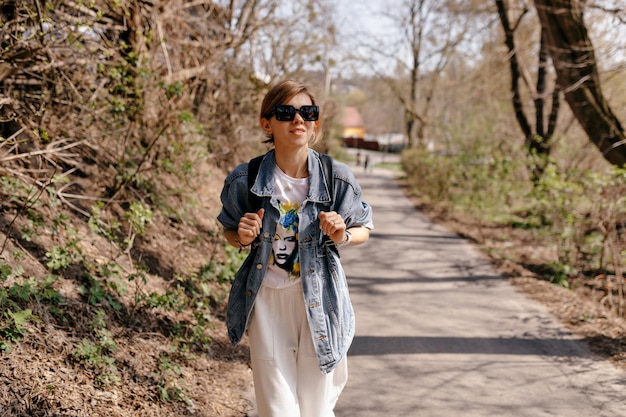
[113, 294]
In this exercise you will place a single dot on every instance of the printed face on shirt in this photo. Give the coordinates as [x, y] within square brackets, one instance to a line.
[285, 246]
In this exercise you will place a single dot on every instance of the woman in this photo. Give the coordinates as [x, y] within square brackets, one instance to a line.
[299, 319]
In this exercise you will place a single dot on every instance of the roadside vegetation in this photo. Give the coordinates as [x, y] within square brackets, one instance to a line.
[575, 217]
[566, 230]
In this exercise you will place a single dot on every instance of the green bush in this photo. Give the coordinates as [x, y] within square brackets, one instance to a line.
[579, 213]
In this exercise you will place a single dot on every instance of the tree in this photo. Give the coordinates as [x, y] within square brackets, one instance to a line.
[279, 49]
[428, 55]
[574, 60]
[411, 58]
[538, 141]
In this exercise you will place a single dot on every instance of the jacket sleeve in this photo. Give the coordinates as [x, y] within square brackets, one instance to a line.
[348, 199]
[234, 198]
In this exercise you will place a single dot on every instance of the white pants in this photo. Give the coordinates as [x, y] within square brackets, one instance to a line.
[287, 378]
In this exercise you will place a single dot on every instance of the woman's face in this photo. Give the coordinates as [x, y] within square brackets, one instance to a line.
[293, 134]
[284, 244]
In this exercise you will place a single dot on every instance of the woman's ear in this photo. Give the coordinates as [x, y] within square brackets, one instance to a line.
[265, 125]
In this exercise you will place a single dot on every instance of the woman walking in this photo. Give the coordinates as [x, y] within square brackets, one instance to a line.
[293, 210]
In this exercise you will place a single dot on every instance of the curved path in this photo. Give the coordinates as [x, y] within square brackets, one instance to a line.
[441, 334]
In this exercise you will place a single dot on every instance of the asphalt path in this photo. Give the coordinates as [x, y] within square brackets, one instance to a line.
[441, 334]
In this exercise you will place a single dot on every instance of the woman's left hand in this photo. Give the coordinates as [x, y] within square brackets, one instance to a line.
[333, 226]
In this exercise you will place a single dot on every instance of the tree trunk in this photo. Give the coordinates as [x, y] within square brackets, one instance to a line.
[577, 75]
[538, 142]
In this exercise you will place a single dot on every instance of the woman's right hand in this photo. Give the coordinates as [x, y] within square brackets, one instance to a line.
[250, 227]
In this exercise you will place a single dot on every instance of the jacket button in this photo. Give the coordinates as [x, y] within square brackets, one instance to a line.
[266, 235]
[249, 293]
[259, 266]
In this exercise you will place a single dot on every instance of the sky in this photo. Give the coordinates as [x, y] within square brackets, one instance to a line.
[364, 21]
[364, 16]
[359, 14]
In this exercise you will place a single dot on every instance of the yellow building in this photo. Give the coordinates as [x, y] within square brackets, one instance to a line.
[353, 127]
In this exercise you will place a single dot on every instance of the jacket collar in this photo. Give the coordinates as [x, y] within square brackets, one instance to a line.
[318, 183]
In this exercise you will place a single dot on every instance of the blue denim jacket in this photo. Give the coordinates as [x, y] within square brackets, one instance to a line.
[329, 309]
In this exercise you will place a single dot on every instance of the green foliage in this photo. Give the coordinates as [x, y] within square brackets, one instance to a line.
[577, 213]
[560, 274]
[558, 201]
[61, 257]
[223, 272]
[35, 223]
[471, 182]
[97, 224]
[15, 190]
[14, 330]
[138, 215]
[170, 300]
[96, 292]
[96, 355]
[428, 173]
[195, 293]
[172, 90]
[5, 271]
[21, 291]
[125, 100]
[168, 378]
[14, 297]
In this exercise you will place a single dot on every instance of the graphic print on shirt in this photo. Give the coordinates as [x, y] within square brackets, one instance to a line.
[285, 246]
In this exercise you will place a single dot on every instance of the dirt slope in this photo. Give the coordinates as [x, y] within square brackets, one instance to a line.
[106, 342]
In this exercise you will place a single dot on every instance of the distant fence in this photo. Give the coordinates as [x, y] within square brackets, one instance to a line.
[373, 145]
[360, 143]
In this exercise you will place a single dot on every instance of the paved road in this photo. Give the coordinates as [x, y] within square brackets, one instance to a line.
[441, 334]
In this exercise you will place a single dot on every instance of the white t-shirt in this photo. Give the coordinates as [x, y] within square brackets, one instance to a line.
[284, 266]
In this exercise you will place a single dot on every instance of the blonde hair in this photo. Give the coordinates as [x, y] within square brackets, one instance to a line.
[283, 92]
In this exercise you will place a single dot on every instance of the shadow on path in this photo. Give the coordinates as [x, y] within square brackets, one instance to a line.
[414, 345]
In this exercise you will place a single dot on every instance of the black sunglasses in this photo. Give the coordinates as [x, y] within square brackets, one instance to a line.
[286, 113]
